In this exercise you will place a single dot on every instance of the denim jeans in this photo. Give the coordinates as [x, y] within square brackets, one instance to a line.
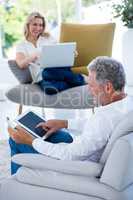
[57, 79]
[59, 136]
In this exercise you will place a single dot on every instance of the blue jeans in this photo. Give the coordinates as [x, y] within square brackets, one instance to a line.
[59, 136]
[57, 79]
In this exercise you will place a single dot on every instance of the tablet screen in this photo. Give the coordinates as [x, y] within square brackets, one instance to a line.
[31, 120]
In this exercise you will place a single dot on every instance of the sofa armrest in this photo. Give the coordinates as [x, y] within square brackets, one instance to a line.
[38, 161]
[22, 75]
[118, 170]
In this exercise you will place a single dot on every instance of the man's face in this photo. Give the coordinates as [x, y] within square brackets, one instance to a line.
[97, 89]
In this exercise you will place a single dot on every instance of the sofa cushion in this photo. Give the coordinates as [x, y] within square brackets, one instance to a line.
[38, 161]
[124, 127]
[76, 184]
[22, 75]
[12, 189]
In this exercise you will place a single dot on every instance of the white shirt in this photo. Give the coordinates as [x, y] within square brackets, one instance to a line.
[27, 48]
[96, 132]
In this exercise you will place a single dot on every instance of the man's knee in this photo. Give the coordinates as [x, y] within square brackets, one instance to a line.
[12, 142]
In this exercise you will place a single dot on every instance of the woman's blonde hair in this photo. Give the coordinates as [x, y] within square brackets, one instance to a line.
[30, 18]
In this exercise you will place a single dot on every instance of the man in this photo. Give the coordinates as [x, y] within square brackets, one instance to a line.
[106, 82]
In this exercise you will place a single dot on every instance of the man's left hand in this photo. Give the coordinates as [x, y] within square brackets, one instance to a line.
[19, 135]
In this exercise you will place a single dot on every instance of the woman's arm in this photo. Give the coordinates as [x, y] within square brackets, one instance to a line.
[24, 61]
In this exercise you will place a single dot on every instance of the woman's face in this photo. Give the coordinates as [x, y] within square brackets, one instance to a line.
[36, 27]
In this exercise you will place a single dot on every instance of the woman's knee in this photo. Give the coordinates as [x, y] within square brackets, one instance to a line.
[53, 87]
[57, 74]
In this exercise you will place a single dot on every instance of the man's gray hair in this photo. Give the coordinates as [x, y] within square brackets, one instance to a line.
[108, 69]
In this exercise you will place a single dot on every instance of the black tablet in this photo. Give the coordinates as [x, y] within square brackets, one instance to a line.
[29, 120]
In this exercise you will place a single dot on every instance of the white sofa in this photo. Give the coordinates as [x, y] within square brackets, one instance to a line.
[44, 178]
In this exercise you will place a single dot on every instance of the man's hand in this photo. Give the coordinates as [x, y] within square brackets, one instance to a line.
[51, 126]
[19, 135]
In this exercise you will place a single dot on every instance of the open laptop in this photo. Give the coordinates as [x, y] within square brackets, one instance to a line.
[58, 55]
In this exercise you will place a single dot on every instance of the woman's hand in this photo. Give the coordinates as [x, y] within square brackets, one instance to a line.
[76, 54]
[24, 61]
[33, 57]
[19, 135]
[51, 126]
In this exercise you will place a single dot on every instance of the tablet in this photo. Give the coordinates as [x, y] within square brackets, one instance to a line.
[29, 120]
[58, 55]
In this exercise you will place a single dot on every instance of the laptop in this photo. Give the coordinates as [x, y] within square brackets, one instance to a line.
[58, 55]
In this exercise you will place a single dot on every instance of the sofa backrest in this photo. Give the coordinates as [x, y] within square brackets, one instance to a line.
[92, 40]
[118, 170]
[124, 127]
[22, 75]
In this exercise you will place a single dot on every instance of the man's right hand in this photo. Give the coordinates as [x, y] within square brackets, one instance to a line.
[51, 126]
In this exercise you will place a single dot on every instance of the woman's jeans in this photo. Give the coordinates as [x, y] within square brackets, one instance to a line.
[59, 136]
[57, 79]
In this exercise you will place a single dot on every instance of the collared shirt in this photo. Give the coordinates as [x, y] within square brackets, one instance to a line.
[27, 48]
[96, 131]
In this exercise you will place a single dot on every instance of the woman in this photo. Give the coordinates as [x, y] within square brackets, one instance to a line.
[27, 55]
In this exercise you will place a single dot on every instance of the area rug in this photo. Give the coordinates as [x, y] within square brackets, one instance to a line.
[4, 160]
